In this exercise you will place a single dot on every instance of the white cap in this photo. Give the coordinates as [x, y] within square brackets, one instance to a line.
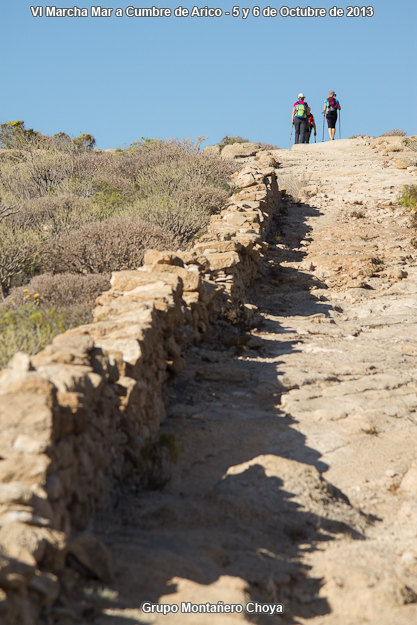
[300, 95]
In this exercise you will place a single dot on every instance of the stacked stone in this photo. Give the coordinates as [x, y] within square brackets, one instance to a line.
[76, 418]
[236, 238]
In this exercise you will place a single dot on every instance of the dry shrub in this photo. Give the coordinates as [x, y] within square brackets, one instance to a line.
[114, 244]
[37, 171]
[170, 163]
[61, 290]
[179, 198]
[40, 173]
[53, 214]
[183, 222]
[19, 254]
[60, 191]
[395, 132]
[87, 174]
[411, 142]
[173, 185]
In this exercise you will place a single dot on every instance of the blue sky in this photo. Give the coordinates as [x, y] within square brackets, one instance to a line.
[124, 78]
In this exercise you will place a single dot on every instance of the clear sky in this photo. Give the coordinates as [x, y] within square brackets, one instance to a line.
[122, 78]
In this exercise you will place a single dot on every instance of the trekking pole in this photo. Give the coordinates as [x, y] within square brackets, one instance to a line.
[322, 138]
[340, 124]
[292, 128]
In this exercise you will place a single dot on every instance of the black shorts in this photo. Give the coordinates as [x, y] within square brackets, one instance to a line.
[331, 119]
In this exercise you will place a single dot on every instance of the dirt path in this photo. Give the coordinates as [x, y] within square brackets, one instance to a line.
[298, 476]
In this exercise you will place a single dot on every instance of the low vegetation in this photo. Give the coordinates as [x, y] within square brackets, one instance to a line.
[395, 132]
[408, 199]
[230, 140]
[411, 142]
[70, 214]
[29, 327]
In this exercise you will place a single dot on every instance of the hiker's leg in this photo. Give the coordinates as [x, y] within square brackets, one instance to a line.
[331, 122]
[302, 130]
[306, 136]
[297, 129]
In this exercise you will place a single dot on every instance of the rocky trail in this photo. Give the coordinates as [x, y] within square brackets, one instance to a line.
[295, 472]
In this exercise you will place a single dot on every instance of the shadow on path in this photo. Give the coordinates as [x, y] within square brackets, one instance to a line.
[246, 499]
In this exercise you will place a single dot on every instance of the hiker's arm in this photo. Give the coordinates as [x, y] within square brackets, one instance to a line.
[314, 126]
[292, 114]
[324, 109]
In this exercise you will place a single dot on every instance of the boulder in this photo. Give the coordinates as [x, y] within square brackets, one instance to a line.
[266, 159]
[409, 481]
[211, 150]
[406, 161]
[240, 150]
[93, 555]
[156, 257]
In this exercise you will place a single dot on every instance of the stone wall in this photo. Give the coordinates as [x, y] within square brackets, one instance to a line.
[81, 416]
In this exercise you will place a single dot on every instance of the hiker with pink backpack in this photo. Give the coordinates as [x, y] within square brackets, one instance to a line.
[299, 119]
[330, 108]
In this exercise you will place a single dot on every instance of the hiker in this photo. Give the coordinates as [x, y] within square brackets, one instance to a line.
[330, 108]
[311, 126]
[299, 116]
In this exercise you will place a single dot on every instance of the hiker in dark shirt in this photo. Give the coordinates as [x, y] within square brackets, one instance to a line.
[330, 108]
[299, 116]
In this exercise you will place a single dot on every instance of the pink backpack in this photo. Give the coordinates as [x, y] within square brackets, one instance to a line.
[332, 104]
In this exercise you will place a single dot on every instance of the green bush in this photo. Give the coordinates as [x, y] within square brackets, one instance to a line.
[408, 197]
[13, 134]
[85, 141]
[29, 328]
